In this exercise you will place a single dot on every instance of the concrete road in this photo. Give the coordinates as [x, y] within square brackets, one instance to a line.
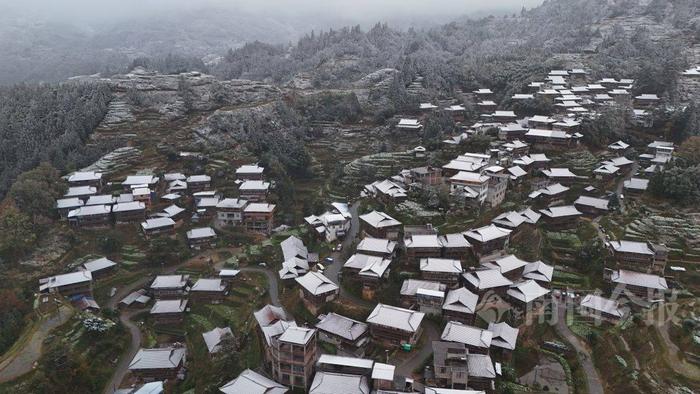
[418, 356]
[595, 385]
[134, 346]
[22, 360]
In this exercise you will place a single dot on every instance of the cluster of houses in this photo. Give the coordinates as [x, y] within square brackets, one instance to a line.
[160, 206]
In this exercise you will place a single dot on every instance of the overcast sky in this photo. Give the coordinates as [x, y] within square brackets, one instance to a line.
[361, 11]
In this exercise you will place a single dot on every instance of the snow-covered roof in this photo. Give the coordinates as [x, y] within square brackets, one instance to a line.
[395, 317]
[487, 279]
[562, 211]
[378, 219]
[316, 283]
[202, 232]
[504, 336]
[527, 291]
[159, 358]
[601, 304]
[251, 382]
[461, 300]
[466, 334]
[434, 264]
[487, 233]
[342, 326]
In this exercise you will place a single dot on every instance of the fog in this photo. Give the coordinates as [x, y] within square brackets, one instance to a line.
[351, 11]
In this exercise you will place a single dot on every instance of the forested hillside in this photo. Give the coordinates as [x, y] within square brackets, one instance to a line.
[48, 123]
[501, 52]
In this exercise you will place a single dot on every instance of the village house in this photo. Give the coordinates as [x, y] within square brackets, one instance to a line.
[632, 283]
[102, 199]
[427, 175]
[549, 194]
[514, 221]
[99, 268]
[394, 326]
[200, 238]
[509, 266]
[173, 212]
[136, 299]
[516, 148]
[165, 363]
[511, 132]
[258, 217]
[169, 312]
[503, 116]
[229, 211]
[86, 178]
[482, 372]
[329, 382]
[527, 294]
[129, 212]
[377, 247]
[441, 270]
[369, 270]
[158, 226]
[601, 309]
[169, 286]
[497, 185]
[210, 290]
[316, 290]
[419, 246]
[455, 246]
[410, 288]
[456, 112]
[81, 192]
[139, 181]
[215, 337]
[619, 147]
[540, 122]
[460, 305]
[635, 186]
[477, 340]
[380, 225]
[517, 174]
[254, 190]
[251, 382]
[533, 161]
[198, 183]
[227, 276]
[177, 186]
[488, 240]
[142, 194]
[250, 172]
[386, 191]
[559, 175]
[91, 216]
[350, 337]
[463, 164]
[539, 272]
[556, 138]
[470, 185]
[606, 172]
[592, 206]
[483, 280]
[272, 322]
[409, 125]
[450, 365]
[646, 101]
[68, 285]
[65, 205]
[560, 217]
[639, 256]
[504, 337]
[294, 355]
[331, 225]
[348, 365]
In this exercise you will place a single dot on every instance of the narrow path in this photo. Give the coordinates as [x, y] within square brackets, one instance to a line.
[418, 357]
[594, 383]
[22, 360]
[125, 317]
[629, 350]
[123, 367]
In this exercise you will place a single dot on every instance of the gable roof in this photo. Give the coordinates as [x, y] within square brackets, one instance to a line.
[606, 305]
[466, 334]
[487, 279]
[527, 291]
[316, 283]
[487, 233]
[504, 336]
[434, 264]
[640, 279]
[160, 358]
[251, 382]
[399, 318]
[379, 220]
[342, 326]
[461, 300]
